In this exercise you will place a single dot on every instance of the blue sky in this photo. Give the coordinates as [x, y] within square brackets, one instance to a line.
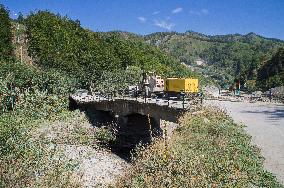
[264, 17]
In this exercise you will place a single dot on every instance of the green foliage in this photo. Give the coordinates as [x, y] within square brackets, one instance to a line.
[21, 76]
[59, 43]
[251, 85]
[62, 44]
[41, 97]
[6, 48]
[271, 74]
[207, 150]
[24, 87]
[105, 136]
[134, 52]
[20, 18]
[111, 81]
[56, 82]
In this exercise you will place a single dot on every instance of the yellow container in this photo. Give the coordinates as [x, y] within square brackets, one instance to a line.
[187, 85]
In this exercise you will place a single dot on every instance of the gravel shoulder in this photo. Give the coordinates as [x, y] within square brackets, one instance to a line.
[265, 123]
[96, 168]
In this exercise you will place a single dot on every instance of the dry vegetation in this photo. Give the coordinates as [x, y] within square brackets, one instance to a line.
[30, 162]
[207, 150]
[62, 151]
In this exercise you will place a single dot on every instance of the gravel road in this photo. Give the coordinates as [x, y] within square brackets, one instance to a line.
[265, 123]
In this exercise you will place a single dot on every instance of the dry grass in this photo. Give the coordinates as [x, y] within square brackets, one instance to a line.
[33, 152]
[26, 161]
[207, 150]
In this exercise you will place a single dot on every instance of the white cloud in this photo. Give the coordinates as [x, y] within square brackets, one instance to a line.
[15, 14]
[201, 12]
[142, 19]
[164, 24]
[156, 12]
[177, 10]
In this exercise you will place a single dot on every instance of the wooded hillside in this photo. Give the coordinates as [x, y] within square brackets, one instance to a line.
[61, 43]
[225, 57]
[271, 74]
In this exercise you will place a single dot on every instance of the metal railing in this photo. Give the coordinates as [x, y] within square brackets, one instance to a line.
[182, 102]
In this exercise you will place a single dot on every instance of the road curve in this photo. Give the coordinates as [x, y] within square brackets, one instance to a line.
[265, 123]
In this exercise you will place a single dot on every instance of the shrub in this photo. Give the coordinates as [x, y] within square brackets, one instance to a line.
[207, 150]
[105, 136]
[28, 162]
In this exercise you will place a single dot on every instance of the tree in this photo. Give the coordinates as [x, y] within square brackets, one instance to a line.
[271, 73]
[6, 48]
[20, 18]
[251, 85]
[60, 43]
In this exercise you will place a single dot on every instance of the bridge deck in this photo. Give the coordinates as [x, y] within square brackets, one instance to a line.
[161, 102]
[169, 110]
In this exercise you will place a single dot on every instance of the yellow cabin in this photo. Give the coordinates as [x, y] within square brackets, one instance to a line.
[187, 85]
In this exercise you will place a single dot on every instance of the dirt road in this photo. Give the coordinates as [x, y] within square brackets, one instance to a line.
[265, 123]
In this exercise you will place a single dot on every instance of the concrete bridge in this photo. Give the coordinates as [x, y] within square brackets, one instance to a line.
[159, 110]
[138, 118]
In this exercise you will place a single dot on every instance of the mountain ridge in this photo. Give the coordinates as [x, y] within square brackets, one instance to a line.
[194, 33]
[234, 56]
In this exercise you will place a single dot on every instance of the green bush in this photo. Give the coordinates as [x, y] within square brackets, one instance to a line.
[105, 136]
[24, 87]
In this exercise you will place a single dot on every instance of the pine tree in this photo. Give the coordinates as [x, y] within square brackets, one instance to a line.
[20, 18]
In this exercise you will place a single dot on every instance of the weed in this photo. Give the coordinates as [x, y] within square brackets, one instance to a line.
[207, 150]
